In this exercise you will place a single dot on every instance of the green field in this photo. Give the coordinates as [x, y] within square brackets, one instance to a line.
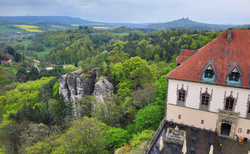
[58, 27]
[42, 54]
[5, 29]
[25, 43]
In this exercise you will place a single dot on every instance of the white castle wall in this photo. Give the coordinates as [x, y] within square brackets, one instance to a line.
[217, 92]
[191, 114]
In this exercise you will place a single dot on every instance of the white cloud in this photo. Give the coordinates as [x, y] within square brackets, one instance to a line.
[213, 11]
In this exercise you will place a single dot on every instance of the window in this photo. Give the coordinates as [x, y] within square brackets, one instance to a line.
[248, 110]
[202, 121]
[234, 76]
[248, 131]
[181, 97]
[205, 97]
[229, 104]
[209, 73]
[179, 116]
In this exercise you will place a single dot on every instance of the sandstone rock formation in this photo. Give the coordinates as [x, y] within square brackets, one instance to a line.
[76, 84]
[102, 88]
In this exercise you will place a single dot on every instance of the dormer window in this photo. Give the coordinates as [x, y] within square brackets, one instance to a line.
[209, 73]
[234, 75]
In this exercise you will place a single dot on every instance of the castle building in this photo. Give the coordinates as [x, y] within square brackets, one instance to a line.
[210, 87]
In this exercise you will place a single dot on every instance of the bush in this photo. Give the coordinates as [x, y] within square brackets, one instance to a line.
[144, 136]
[116, 137]
[138, 138]
[149, 118]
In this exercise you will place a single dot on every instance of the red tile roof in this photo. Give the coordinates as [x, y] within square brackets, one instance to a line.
[180, 59]
[186, 53]
[223, 53]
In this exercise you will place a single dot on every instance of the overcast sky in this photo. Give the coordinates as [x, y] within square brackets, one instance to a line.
[134, 11]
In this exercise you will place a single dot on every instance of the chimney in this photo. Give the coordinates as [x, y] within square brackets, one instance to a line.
[181, 51]
[229, 34]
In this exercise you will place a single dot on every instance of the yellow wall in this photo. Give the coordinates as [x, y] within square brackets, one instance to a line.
[193, 117]
[244, 124]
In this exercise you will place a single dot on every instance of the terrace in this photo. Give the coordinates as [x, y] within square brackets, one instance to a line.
[197, 141]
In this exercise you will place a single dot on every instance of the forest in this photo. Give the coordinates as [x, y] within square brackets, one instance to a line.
[36, 118]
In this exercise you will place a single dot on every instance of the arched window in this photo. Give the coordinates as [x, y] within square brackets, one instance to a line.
[181, 97]
[229, 104]
[205, 98]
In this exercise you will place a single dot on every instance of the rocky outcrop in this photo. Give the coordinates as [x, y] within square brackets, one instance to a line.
[76, 84]
[102, 88]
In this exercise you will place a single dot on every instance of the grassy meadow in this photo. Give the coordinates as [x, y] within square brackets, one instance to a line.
[6, 29]
[42, 54]
[25, 43]
[58, 27]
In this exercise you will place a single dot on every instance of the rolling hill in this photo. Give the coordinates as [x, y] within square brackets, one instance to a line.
[37, 19]
[64, 22]
[185, 23]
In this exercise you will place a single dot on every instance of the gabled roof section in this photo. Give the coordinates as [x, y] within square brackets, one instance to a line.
[184, 55]
[223, 53]
[233, 68]
[210, 65]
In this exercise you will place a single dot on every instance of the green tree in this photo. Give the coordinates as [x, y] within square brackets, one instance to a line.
[80, 64]
[84, 136]
[131, 74]
[115, 56]
[10, 50]
[109, 111]
[116, 137]
[22, 75]
[144, 96]
[157, 58]
[10, 136]
[61, 111]
[149, 118]
[39, 47]
[1, 54]
[149, 52]
[35, 133]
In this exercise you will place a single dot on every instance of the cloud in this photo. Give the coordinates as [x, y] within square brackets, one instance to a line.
[138, 11]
